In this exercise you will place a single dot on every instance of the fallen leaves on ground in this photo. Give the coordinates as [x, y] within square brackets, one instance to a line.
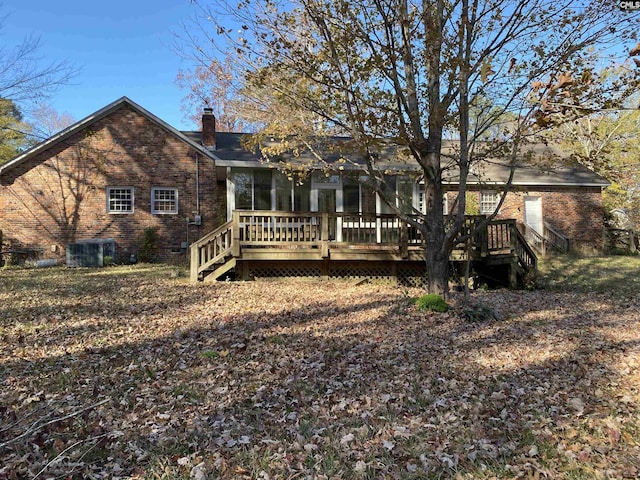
[131, 373]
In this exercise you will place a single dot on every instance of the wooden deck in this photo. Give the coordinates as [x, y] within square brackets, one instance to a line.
[267, 243]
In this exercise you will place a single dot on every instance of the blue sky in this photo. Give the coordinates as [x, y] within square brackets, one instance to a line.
[122, 48]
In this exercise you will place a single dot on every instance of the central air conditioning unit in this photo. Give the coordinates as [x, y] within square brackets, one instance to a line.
[90, 253]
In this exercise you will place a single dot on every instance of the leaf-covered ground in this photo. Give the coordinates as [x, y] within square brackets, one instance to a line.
[133, 373]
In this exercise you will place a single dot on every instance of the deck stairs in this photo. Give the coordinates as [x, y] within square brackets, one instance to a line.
[213, 254]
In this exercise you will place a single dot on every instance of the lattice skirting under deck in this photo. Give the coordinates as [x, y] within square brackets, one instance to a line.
[404, 273]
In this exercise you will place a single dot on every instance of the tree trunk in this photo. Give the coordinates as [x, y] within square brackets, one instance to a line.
[437, 254]
[437, 271]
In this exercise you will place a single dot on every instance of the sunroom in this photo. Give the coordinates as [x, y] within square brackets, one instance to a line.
[354, 210]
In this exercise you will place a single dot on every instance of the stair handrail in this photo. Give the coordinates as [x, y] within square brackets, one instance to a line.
[526, 255]
[556, 238]
[534, 238]
[211, 249]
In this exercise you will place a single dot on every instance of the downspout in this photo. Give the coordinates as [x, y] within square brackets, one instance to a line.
[197, 184]
[197, 212]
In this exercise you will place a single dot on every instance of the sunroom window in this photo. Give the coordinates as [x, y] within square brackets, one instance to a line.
[269, 190]
[282, 191]
[351, 194]
[262, 189]
[398, 190]
[405, 194]
[302, 195]
[243, 183]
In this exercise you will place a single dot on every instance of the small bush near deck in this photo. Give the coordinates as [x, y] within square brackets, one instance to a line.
[431, 302]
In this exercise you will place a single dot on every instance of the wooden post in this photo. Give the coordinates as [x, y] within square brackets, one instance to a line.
[324, 269]
[632, 241]
[195, 256]
[513, 237]
[394, 274]
[513, 274]
[245, 271]
[404, 240]
[235, 234]
[484, 241]
[324, 236]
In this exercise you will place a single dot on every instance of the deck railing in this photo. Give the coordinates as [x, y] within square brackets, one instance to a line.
[263, 228]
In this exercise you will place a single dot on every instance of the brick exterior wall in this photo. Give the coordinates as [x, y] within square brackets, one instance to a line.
[59, 196]
[576, 212]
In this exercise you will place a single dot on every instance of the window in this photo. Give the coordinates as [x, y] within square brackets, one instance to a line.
[262, 190]
[422, 206]
[252, 189]
[270, 190]
[405, 194]
[351, 194]
[119, 199]
[243, 183]
[283, 192]
[489, 202]
[164, 201]
[326, 178]
[301, 195]
[389, 189]
[399, 190]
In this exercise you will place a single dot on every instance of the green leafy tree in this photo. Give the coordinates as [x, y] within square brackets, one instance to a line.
[608, 143]
[13, 131]
[408, 74]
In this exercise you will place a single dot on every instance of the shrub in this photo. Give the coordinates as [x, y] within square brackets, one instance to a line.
[433, 303]
[479, 313]
[148, 244]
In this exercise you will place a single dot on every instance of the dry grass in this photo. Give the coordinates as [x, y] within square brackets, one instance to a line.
[131, 373]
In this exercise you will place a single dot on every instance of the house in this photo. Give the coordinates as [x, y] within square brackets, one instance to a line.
[122, 173]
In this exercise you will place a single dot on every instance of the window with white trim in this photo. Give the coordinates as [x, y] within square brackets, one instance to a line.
[164, 201]
[489, 202]
[422, 205]
[119, 199]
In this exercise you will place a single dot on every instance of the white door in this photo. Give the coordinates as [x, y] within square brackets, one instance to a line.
[533, 213]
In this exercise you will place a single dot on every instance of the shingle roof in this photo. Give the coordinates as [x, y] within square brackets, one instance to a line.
[544, 165]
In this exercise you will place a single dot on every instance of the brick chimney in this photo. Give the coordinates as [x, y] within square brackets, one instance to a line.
[208, 128]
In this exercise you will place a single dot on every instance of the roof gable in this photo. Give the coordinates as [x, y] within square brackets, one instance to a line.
[86, 122]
